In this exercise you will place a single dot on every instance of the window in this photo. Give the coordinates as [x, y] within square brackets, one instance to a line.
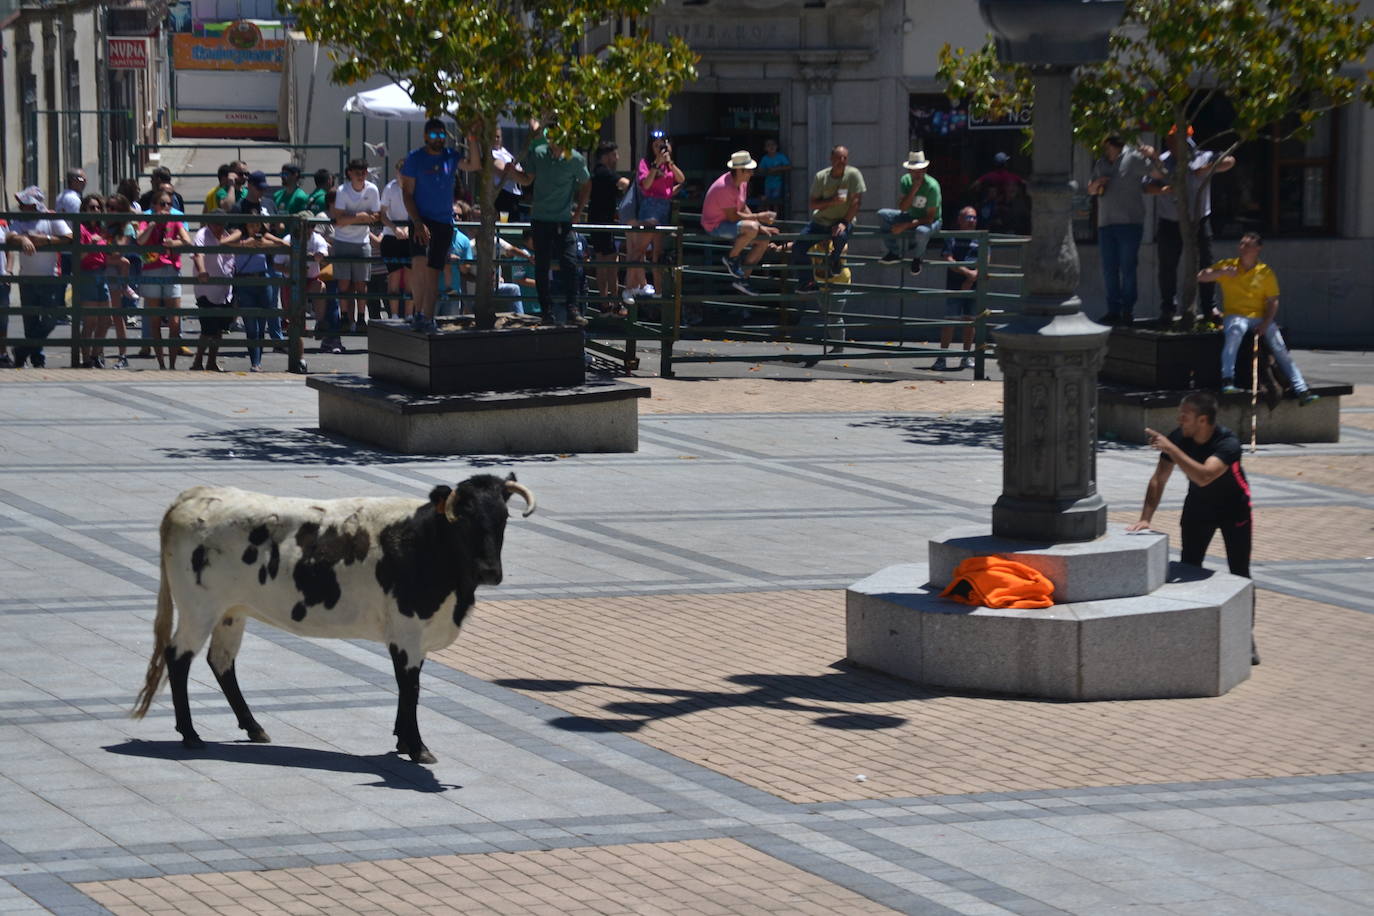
[961, 148]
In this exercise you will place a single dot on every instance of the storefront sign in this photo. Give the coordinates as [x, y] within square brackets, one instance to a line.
[128, 54]
[233, 51]
[238, 124]
[1013, 120]
[751, 34]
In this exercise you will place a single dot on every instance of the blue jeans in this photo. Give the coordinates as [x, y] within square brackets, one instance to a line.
[510, 292]
[255, 297]
[1235, 328]
[1119, 246]
[920, 235]
[801, 253]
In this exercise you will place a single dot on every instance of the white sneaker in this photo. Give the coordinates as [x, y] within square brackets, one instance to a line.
[966, 362]
[648, 290]
[628, 296]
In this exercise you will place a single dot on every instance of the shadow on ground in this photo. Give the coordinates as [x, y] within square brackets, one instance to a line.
[794, 692]
[392, 770]
[314, 446]
[975, 432]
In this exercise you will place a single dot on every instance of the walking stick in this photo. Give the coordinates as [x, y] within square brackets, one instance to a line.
[1254, 390]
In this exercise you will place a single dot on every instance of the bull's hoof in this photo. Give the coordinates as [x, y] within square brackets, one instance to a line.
[193, 743]
[258, 736]
[424, 756]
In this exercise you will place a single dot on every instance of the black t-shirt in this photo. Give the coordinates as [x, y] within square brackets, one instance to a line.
[960, 250]
[604, 196]
[1227, 496]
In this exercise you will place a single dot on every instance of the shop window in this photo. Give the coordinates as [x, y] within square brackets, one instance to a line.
[1277, 188]
[962, 148]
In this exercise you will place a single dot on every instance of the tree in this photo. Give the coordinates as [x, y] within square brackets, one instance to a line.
[477, 62]
[1281, 64]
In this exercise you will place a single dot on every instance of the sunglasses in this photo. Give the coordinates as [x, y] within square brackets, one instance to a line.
[657, 134]
[436, 135]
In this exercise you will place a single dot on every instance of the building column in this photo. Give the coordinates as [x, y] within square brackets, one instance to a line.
[820, 81]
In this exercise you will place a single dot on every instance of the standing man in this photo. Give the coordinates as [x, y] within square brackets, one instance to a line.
[1117, 184]
[9, 241]
[962, 276]
[290, 198]
[427, 178]
[726, 215]
[255, 201]
[562, 186]
[42, 232]
[918, 209]
[836, 194]
[774, 166]
[1250, 297]
[324, 183]
[69, 201]
[1218, 492]
[1168, 234]
[225, 193]
[356, 204]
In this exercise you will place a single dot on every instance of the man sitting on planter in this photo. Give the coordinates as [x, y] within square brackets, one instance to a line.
[1250, 299]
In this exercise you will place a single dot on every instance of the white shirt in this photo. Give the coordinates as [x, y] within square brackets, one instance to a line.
[216, 265]
[393, 205]
[502, 157]
[42, 263]
[313, 246]
[368, 200]
[69, 201]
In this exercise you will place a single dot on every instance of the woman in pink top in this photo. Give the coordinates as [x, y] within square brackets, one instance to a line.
[658, 177]
[161, 283]
[91, 288]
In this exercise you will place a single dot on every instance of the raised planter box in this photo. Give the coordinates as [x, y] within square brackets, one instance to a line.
[1148, 358]
[599, 416]
[457, 361]
[1123, 412]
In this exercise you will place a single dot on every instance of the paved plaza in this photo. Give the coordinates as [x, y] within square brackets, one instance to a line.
[652, 714]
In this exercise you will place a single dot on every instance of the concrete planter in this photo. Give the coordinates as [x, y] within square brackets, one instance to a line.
[460, 361]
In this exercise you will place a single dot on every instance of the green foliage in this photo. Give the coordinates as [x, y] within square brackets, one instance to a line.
[477, 61]
[1170, 58]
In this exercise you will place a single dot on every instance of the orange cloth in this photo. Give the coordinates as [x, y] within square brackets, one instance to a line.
[998, 582]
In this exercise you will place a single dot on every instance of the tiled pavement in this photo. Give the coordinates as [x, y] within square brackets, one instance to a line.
[650, 715]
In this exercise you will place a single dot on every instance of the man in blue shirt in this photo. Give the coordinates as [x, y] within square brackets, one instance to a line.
[427, 178]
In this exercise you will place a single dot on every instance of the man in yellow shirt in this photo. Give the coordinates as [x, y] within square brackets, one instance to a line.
[1250, 299]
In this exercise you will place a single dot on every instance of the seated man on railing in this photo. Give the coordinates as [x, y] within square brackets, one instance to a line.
[836, 194]
[725, 214]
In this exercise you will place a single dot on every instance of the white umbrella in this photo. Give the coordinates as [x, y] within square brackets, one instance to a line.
[393, 103]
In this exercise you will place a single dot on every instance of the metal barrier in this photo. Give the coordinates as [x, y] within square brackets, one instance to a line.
[693, 308]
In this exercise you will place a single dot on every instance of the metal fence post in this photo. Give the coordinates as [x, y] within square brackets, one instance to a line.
[296, 319]
[980, 305]
[72, 282]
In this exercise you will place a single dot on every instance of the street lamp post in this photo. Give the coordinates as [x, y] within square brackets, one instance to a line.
[1051, 352]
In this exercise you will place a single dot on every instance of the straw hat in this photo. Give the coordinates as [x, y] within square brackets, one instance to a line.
[916, 161]
[741, 160]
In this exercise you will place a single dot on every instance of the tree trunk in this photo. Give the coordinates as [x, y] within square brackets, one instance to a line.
[484, 308]
[1187, 225]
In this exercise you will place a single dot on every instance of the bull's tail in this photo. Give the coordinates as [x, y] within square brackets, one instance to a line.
[162, 629]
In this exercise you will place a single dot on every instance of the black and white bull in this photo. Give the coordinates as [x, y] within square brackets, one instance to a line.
[398, 571]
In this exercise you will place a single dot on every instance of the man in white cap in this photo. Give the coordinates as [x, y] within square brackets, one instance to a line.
[42, 233]
[726, 215]
[918, 211]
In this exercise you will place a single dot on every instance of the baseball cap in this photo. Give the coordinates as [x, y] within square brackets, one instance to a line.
[1001, 159]
[257, 179]
[31, 196]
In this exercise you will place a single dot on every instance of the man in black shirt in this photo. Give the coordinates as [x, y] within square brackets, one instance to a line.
[1218, 492]
[601, 209]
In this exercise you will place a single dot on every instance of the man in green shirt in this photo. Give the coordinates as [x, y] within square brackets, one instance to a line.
[836, 193]
[324, 183]
[290, 198]
[918, 210]
[562, 185]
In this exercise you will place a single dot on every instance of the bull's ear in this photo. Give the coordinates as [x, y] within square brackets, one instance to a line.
[439, 496]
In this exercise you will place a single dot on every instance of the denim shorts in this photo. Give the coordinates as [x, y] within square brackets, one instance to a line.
[655, 210]
[92, 289]
[161, 283]
[726, 230]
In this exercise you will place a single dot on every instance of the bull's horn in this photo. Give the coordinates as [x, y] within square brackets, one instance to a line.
[449, 503]
[525, 494]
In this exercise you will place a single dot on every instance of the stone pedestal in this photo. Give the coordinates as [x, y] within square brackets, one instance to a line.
[1134, 627]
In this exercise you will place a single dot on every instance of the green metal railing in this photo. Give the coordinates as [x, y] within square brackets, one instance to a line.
[843, 320]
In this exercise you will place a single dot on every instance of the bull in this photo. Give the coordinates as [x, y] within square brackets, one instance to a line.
[394, 570]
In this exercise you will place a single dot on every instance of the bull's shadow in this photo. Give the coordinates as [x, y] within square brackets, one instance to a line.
[276, 445]
[784, 692]
[975, 432]
[392, 770]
